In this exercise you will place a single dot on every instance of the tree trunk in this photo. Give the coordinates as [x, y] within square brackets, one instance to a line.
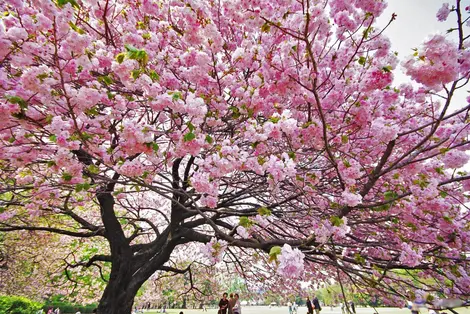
[118, 296]
[116, 300]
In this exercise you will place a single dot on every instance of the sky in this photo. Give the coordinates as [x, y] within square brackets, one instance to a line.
[415, 21]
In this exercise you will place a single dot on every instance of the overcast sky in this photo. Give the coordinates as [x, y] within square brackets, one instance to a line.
[416, 20]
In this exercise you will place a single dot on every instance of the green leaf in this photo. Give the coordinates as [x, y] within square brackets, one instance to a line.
[236, 112]
[344, 139]
[135, 74]
[74, 3]
[443, 194]
[245, 222]
[189, 137]
[120, 57]
[359, 258]
[93, 169]
[209, 139]
[439, 170]
[390, 195]
[53, 138]
[190, 126]
[336, 221]
[131, 49]
[176, 96]
[275, 119]
[18, 100]
[387, 68]
[265, 28]
[67, 176]
[362, 60]
[76, 28]
[49, 118]
[105, 79]
[82, 187]
[154, 76]
[274, 252]
[412, 226]
[263, 211]
[155, 147]
[381, 208]
[137, 54]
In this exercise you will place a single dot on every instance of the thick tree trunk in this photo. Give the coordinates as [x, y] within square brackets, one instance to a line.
[116, 300]
[118, 296]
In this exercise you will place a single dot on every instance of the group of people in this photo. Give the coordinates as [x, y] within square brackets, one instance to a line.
[351, 308]
[292, 307]
[313, 305]
[230, 306]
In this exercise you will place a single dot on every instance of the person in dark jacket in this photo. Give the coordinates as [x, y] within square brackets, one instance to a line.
[316, 304]
[223, 304]
[309, 306]
[352, 306]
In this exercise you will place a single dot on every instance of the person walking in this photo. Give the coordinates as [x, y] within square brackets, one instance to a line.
[352, 306]
[237, 307]
[231, 303]
[316, 304]
[223, 304]
[309, 306]
[289, 305]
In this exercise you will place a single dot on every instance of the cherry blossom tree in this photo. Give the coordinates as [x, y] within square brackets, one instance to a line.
[269, 132]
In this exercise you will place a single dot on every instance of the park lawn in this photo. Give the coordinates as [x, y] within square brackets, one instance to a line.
[282, 310]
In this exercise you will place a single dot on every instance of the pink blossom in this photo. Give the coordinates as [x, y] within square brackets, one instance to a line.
[214, 250]
[7, 215]
[132, 168]
[455, 159]
[443, 12]
[351, 199]
[291, 262]
[436, 63]
[16, 33]
[409, 256]
[209, 201]
[377, 79]
[202, 183]
[243, 232]
[384, 130]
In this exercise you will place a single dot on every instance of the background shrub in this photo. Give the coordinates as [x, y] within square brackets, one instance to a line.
[18, 305]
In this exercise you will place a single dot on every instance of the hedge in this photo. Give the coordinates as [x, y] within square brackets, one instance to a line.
[66, 307]
[18, 305]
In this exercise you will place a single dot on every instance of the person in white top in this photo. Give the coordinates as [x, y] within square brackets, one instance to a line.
[237, 308]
